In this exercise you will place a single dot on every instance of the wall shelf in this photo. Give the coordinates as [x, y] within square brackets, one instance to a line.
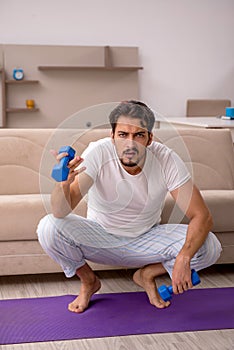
[108, 65]
[13, 109]
[21, 110]
[66, 68]
[21, 82]
[85, 75]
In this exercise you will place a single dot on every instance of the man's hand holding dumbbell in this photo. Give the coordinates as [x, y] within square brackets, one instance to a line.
[64, 172]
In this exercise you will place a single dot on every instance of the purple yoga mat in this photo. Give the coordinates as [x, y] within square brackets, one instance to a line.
[116, 314]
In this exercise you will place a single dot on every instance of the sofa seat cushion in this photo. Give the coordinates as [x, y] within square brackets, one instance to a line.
[20, 215]
[219, 202]
[221, 206]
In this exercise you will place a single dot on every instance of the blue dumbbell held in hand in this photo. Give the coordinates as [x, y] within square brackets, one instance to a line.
[166, 292]
[60, 171]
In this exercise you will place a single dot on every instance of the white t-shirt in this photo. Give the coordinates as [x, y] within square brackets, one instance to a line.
[129, 205]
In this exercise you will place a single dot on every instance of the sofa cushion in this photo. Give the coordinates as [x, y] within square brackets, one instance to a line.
[25, 155]
[20, 215]
[221, 206]
[219, 202]
[208, 154]
[20, 159]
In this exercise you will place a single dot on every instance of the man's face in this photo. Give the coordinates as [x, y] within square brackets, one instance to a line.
[131, 139]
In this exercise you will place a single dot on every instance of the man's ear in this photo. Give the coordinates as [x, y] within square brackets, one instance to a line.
[150, 139]
[112, 136]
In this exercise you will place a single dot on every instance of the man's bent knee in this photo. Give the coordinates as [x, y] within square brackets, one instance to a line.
[46, 231]
[215, 247]
[209, 253]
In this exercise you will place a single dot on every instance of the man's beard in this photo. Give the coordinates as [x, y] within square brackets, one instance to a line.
[130, 163]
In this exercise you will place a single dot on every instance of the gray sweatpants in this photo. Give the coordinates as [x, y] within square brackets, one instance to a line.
[73, 240]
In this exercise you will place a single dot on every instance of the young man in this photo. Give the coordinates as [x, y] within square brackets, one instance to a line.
[127, 177]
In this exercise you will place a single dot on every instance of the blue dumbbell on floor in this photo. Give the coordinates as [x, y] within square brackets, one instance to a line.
[60, 171]
[166, 292]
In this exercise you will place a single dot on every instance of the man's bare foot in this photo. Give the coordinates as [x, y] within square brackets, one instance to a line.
[145, 278]
[90, 284]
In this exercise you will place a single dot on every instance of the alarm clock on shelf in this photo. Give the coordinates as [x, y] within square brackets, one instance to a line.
[18, 73]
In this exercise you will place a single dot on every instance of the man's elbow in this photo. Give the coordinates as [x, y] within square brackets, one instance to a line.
[204, 219]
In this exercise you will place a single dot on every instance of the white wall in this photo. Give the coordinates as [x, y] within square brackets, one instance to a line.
[186, 46]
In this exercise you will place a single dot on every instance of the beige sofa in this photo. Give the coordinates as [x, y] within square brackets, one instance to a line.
[25, 185]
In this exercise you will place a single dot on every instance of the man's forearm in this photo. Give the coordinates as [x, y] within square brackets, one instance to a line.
[61, 200]
[198, 230]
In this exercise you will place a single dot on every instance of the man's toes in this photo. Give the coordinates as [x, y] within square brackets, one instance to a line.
[79, 309]
[75, 308]
[159, 303]
[71, 307]
[165, 303]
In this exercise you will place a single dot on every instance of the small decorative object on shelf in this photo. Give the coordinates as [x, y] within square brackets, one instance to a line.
[18, 73]
[30, 104]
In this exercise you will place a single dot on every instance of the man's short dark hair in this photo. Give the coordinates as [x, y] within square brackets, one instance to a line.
[133, 109]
